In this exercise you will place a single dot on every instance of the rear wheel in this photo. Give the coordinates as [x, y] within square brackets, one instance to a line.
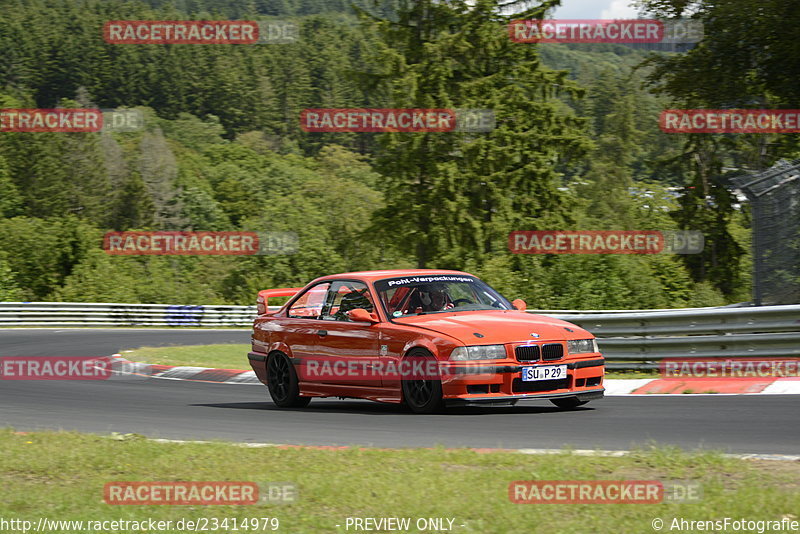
[283, 384]
[423, 396]
[568, 403]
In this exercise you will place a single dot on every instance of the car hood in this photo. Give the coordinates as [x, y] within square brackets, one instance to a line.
[495, 327]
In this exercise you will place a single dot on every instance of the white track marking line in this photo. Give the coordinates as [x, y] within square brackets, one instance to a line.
[783, 386]
[575, 452]
[624, 386]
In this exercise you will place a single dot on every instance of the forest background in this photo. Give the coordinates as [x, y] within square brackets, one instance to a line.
[576, 147]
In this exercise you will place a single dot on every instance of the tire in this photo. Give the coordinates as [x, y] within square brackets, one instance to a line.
[568, 403]
[283, 384]
[422, 396]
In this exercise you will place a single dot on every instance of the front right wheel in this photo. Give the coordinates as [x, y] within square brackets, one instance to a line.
[283, 384]
[422, 396]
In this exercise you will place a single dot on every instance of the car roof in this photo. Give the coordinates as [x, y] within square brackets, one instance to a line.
[391, 273]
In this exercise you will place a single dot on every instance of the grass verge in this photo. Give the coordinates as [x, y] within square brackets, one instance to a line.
[633, 374]
[61, 476]
[226, 356]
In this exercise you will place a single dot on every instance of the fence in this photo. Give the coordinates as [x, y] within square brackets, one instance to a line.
[629, 339]
[774, 196]
[632, 340]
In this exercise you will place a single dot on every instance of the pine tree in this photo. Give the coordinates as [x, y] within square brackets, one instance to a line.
[453, 196]
[158, 170]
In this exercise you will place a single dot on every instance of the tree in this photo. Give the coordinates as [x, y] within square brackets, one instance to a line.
[9, 290]
[10, 198]
[454, 196]
[43, 252]
[158, 169]
[610, 175]
[749, 58]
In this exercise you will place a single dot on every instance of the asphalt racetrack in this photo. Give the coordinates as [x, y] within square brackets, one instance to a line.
[766, 424]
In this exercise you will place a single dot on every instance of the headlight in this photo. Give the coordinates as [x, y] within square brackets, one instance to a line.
[581, 346]
[479, 352]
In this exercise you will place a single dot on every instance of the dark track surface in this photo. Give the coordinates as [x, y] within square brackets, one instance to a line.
[195, 410]
[103, 342]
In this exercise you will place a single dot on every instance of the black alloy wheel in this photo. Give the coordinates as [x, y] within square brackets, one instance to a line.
[283, 384]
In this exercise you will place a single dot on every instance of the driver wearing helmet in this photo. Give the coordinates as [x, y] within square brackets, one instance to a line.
[434, 297]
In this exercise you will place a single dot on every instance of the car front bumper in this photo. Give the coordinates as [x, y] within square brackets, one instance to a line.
[505, 399]
[502, 382]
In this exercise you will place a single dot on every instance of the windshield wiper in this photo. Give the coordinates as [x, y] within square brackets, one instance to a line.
[451, 310]
[459, 309]
[423, 313]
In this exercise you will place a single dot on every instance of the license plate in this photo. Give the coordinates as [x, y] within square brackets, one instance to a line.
[544, 372]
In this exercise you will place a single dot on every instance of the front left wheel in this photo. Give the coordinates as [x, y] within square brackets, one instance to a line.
[283, 384]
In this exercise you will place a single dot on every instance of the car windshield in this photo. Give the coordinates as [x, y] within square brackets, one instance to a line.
[417, 295]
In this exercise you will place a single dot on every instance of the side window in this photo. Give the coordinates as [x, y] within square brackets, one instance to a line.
[345, 296]
[394, 298]
[309, 305]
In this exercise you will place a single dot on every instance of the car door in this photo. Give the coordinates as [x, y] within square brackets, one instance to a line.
[301, 327]
[352, 348]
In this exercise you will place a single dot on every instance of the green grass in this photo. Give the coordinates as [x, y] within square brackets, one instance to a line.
[61, 476]
[633, 374]
[235, 357]
[216, 356]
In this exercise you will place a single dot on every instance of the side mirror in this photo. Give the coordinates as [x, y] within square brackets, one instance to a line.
[360, 315]
[519, 304]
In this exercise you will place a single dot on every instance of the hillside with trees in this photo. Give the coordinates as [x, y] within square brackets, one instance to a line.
[576, 146]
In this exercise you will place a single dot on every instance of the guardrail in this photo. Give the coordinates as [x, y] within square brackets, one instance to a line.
[639, 339]
[62, 314]
[630, 339]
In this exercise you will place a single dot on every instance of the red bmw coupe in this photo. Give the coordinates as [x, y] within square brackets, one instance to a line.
[426, 338]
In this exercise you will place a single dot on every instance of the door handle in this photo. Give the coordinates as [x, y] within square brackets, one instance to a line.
[322, 333]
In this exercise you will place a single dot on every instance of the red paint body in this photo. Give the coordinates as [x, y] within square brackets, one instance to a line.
[391, 339]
